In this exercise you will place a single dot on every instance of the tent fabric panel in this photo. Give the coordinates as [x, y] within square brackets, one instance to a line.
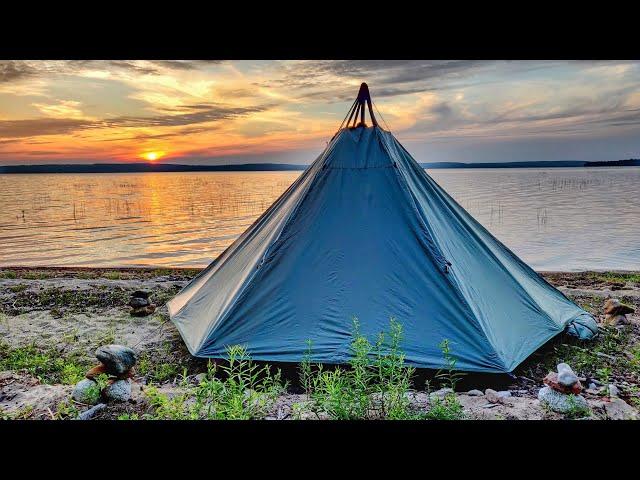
[319, 275]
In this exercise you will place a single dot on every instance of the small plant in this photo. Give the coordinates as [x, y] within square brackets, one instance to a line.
[102, 381]
[72, 336]
[242, 391]
[107, 337]
[65, 410]
[245, 393]
[634, 396]
[618, 277]
[576, 409]
[604, 374]
[72, 373]
[94, 391]
[374, 385]
[306, 375]
[393, 376]
[163, 372]
[298, 410]
[44, 363]
[24, 413]
[35, 275]
[112, 275]
[159, 367]
[128, 416]
[169, 408]
[448, 375]
[447, 408]
[21, 287]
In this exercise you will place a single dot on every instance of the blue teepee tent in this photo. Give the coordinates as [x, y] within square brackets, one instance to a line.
[365, 232]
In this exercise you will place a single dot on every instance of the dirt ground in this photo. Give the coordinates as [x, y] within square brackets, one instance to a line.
[52, 320]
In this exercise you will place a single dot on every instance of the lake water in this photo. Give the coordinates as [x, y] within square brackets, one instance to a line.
[554, 219]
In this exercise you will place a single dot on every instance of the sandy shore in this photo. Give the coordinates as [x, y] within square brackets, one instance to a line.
[64, 314]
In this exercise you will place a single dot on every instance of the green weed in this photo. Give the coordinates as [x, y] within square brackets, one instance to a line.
[128, 416]
[44, 363]
[576, 410]
[617, 277]
[112, 275]
[448, 375]
[241, 391]
[374, 385]
[447, 408]
[21, 287]
[66, 410]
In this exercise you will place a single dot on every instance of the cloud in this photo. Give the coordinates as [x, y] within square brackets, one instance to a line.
[40, 126]
[327, 79]
[154, 67]
[398, 71]
[210, 113]
[17, 70]
[185, 64]
[11, 71]
[58, 126]
[61, 109]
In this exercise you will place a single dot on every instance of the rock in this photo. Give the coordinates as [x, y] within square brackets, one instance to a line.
[95, 371]
[137, 302]
[613, 307]
[117, 359]
[118, 391]
[561, 402]
[492, 396]
[199, 378]
[475, 393]
[141, 294]
[618, 409]
[504, 394]
[88, 414]
[592, 386]
[615, 312]
[440, 394]
[566, 377]
[143, 311]
[614, 320]
[614, 391]
[86, 391]
[552, 381]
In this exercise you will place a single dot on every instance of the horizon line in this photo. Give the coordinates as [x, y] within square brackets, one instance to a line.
[141, 167]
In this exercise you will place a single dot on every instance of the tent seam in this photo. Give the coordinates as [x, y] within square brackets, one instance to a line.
[268, 250]
[454, 285]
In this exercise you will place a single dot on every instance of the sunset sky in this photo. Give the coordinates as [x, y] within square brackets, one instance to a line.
[216, 112]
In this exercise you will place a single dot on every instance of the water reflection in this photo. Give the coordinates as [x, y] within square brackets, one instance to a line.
[566, 219]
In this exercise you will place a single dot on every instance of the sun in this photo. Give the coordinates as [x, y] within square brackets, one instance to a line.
[152, 156]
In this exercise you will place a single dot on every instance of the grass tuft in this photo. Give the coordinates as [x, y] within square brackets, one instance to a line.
[374, 386]
[46, 364]
[238, 391]
[447, 408]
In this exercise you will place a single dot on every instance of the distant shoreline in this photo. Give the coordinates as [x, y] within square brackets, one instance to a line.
[270, 167]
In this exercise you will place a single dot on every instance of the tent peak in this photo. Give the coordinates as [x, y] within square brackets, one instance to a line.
[363, 93]
[358, 107]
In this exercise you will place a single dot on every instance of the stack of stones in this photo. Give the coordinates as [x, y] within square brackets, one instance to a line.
[116, 361]
[140, 304]
[615, 312]
[562, 390]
